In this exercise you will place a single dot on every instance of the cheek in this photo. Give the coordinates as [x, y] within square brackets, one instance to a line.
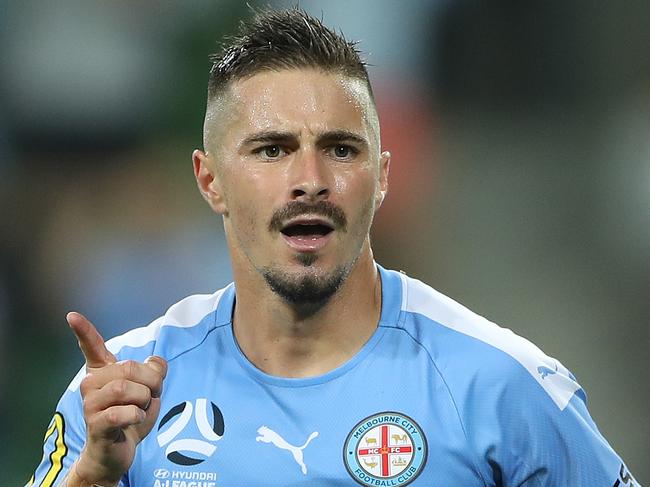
[341, 184]
[246, 218]
[359, 183]
[360, 201]
[251, 208]
[246, 197]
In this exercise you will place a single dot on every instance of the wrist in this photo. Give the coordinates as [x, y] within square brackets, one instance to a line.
[77, 479]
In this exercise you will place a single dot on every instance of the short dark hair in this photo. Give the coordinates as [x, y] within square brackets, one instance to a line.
[284, 39]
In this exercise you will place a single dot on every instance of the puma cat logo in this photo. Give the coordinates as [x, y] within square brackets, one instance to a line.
[267, 435]
[544, 371]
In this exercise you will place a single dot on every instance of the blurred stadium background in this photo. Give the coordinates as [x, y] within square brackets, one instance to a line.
[520, 182]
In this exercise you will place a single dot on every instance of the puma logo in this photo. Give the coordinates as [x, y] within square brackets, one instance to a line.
[544, 371]
[267, 435]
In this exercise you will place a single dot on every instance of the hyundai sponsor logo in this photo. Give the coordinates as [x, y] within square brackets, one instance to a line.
[161, 473]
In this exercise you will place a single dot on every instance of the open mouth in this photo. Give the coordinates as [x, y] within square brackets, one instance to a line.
[307, 230]
[307, 235]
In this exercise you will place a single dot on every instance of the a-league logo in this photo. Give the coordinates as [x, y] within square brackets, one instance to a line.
[190, 451]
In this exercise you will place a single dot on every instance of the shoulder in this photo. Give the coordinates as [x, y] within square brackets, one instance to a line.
[507, 391]
[183, 327]
[191, 318]
[470, 350]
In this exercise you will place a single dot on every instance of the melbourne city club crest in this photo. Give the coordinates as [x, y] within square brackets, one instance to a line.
[385, 449]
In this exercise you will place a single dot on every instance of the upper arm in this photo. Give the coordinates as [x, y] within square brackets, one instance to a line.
[63, 441]
[544, 444]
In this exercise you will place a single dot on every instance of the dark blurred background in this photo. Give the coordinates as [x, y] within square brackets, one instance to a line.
[520, 181]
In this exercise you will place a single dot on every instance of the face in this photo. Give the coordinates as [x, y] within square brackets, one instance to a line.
[293, 165]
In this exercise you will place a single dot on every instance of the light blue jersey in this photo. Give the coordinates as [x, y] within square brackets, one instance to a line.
[438, 396]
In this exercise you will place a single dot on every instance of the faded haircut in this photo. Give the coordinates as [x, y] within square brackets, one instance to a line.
[285, 39]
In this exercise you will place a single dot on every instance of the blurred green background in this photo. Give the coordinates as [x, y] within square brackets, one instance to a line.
[520, 183]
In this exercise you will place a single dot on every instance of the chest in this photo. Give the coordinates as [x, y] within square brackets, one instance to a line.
[375, 425]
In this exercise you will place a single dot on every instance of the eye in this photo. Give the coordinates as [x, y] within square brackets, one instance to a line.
[342, 152]
[271, 152]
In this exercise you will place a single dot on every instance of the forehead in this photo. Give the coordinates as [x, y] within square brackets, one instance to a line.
[298, 100]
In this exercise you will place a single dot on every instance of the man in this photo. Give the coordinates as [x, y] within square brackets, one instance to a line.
[317, 366]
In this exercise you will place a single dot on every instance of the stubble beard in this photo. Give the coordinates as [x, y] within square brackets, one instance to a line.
[306, 292]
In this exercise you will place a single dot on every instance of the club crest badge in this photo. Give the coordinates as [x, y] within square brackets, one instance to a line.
[385, 449]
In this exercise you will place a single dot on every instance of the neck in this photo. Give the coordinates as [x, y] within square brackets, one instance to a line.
[289, 341]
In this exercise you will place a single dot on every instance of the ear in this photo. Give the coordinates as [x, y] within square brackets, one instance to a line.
[208, 181]
[384, 169]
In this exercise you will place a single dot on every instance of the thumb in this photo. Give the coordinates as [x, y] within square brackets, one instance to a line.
[158, 364]
[151, 413]
[90, 341]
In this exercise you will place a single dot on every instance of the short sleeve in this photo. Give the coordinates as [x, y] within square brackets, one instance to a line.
[548, 445]
[64, 438]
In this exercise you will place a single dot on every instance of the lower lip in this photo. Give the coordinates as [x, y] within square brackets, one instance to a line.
[307, 243]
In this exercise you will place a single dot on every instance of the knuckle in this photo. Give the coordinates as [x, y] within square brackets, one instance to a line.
[88, 409]
[91, 423]
[147, 397]
[112, 418]
[119, 388]
[86, 384]
[137, 414]
[129, 368]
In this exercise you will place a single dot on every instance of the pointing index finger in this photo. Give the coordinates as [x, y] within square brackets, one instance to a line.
[90, 341]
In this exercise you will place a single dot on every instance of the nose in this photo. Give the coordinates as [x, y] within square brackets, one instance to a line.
[310, 177]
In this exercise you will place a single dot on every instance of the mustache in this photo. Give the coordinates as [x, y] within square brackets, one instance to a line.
[299, 208]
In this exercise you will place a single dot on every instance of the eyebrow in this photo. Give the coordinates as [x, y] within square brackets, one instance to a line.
[342, 136]
[268, 136]
[275, 137]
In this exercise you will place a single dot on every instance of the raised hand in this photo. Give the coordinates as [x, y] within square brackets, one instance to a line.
[121, 401]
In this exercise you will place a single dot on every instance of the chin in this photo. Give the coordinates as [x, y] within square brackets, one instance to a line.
[308, 286]
[307, 259]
